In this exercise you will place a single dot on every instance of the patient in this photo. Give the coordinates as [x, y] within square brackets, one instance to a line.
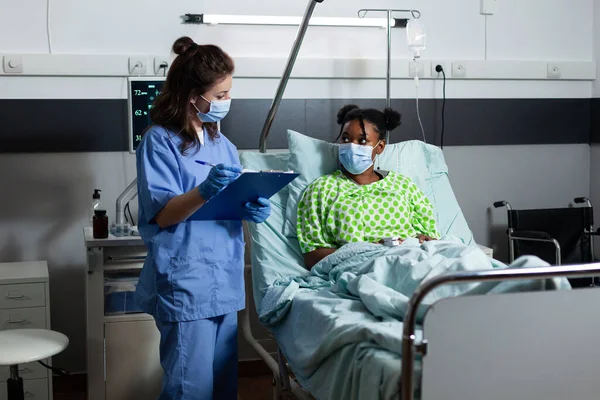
[359, 203]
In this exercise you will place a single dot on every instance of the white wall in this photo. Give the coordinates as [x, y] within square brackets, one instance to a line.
[595, 188]
[47, 195]
[525, 176]
[595, 148]
[44, 208]
[596, 48]
[520, 30]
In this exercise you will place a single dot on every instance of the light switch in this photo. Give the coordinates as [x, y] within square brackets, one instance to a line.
[489, 7]
[13, 64]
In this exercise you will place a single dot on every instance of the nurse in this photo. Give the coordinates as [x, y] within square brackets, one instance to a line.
[192, 281]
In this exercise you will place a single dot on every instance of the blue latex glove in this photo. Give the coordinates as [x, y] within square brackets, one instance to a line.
[219, 176]
[258, 212]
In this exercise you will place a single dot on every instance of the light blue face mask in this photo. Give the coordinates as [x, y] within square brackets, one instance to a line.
[218, 110]
[356, 158]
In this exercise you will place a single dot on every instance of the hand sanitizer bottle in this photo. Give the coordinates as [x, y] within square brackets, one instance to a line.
[96, 205]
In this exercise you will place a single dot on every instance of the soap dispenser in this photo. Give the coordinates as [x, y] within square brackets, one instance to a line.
[96, 205]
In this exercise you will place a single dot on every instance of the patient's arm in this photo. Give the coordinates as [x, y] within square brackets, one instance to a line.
[423, 219]
[310, 259]
[316, 241]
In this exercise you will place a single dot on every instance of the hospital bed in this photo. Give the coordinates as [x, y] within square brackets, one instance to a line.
[524, 344]
[513, 324]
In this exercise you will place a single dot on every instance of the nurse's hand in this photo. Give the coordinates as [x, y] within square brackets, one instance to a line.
[219, 176]
[258, 212]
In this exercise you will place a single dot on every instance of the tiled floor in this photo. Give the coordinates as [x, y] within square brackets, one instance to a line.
[253, 388]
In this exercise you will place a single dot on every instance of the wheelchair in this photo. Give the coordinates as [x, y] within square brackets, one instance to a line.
[559, 236]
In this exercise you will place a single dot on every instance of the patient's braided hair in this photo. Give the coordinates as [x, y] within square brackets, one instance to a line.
[388, 120]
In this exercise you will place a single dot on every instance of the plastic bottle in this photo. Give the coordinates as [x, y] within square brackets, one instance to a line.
[100, 224]
[96, 204]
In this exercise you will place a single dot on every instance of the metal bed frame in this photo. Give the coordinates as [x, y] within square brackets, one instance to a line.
[285, 387]
[409, 344]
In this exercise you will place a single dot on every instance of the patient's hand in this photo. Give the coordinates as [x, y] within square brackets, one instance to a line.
[424, 238]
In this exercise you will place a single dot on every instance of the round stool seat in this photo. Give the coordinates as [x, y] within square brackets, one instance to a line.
[21, 346]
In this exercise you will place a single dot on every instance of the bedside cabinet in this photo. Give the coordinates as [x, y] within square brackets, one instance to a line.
[25, 304]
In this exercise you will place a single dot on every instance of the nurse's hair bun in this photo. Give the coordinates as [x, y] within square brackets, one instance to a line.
[183, 44]
[392, 118]
[343, 113]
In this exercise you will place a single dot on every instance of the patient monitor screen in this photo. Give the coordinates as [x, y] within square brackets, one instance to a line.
[142, 93]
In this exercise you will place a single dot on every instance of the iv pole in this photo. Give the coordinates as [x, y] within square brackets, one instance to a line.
[294, 55]
[362, 14]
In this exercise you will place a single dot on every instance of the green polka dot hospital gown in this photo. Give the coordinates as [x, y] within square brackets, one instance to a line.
[334, 210]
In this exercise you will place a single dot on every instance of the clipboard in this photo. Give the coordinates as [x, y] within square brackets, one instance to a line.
[228, 204]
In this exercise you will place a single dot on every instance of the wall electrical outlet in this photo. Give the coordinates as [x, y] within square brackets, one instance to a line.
[553, 71]
[435, 74]
[459, 70]
[137, 65]
[159, 62]
[414, 67]
[13, 64]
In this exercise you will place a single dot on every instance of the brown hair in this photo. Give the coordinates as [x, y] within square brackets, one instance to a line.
[195, 70]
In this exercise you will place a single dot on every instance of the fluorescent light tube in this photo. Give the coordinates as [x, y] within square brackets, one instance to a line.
[214, 19]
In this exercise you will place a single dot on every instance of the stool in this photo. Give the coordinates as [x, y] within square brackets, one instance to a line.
[22, 346]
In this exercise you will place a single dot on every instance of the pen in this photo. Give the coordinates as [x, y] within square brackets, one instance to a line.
[205, 163]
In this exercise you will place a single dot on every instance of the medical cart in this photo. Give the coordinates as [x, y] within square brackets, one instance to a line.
[122, 344]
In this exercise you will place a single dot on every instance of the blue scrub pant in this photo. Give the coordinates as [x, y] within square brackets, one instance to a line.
[199, 359]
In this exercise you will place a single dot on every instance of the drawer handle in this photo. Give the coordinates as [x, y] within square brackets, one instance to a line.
[16, 321]
[9, 297]
[130, 258]
[24, 370]
[28, 394]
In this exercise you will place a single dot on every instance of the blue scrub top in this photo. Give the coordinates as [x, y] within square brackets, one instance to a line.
[194, 269]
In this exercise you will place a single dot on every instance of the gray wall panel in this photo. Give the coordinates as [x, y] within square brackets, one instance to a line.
[101, 125]
[469, 122]
[517, 121]
[595, 113]
[245, 121]
[44, 126]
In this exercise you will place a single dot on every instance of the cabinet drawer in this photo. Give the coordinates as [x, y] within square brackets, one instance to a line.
[36, 389]
[22, 296]
[23, 318]
[29, 371]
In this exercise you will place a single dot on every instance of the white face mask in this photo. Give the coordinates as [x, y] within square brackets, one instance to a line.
[356, 158]
[218, 110]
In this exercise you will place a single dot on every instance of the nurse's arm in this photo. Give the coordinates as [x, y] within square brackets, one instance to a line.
[180, 208]
[310, 259]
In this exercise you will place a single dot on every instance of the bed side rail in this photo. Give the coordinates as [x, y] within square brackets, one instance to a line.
[408, 338]
[277, 367]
